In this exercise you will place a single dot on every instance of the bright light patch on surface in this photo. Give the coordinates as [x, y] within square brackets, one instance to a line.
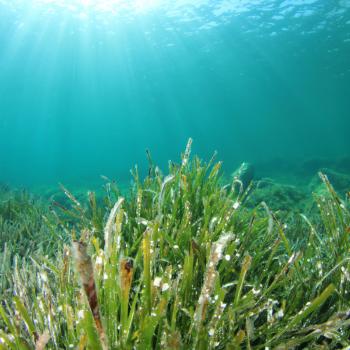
[275, 17]
[168, 8]
[99, 5]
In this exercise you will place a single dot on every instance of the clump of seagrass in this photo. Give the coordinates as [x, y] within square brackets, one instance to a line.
[110, 227]
[126, 271]
[170, 274]
[210, 277]
[85, 269]
[187, 153]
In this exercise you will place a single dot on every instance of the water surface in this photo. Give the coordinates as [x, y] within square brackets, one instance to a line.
[87, 86]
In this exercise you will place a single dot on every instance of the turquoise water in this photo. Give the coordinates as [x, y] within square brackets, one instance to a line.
[87, 86]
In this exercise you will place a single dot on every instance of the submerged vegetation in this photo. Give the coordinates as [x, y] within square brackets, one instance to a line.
[180, 262]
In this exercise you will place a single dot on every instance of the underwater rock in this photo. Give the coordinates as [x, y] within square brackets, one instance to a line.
[340, 182]
[245, 174]
[277, 168]
[310, 167]
[277, 196]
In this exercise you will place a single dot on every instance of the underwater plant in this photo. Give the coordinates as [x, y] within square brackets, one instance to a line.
[181, 263]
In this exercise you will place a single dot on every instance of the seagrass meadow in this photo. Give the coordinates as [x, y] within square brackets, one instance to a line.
[174, 174]
[177, 262]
